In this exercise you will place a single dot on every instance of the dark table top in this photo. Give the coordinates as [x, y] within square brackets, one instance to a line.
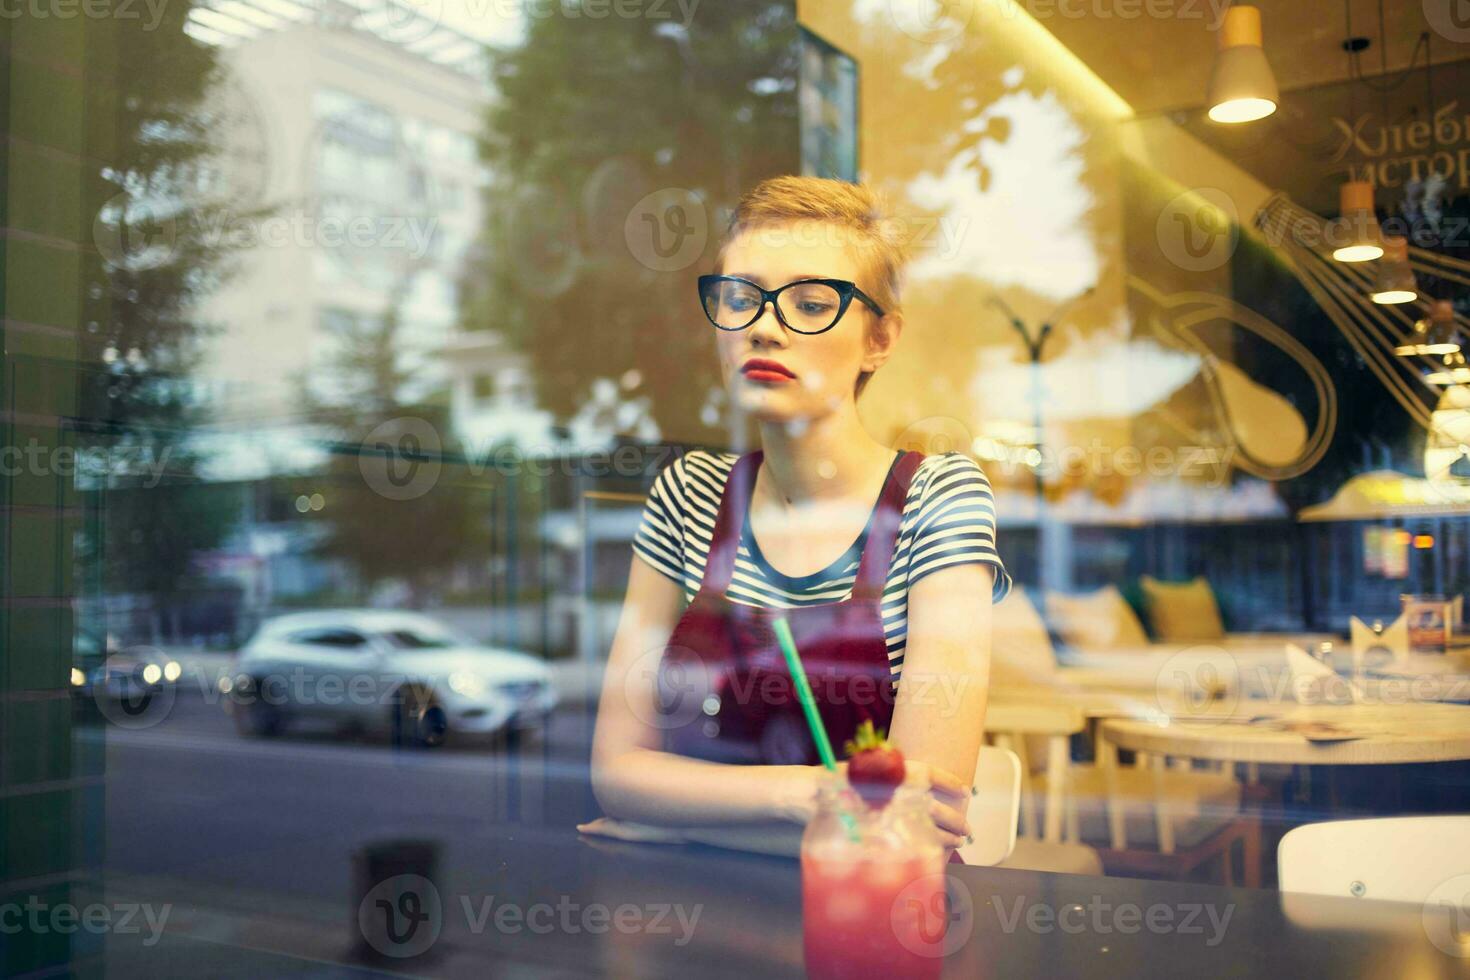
[694, 911]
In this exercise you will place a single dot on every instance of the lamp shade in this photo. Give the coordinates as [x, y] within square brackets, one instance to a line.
[1449, 434]
[1242, 86]
[1395, 282]
[1433, 335]
[1355, 234]
[1454, 372]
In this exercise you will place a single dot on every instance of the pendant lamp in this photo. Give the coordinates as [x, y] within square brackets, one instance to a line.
[1355, 234]
[1395, 280]
[1242, 87]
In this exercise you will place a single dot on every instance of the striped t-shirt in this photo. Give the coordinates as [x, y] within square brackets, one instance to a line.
[948, 519]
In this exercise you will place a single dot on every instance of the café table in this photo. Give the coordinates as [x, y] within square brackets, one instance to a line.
[1252, 731]
[1092, 702]
[1420, 677]
[1257, 671]
[746, 915]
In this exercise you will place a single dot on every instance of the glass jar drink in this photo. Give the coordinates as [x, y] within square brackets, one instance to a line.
[872, 885]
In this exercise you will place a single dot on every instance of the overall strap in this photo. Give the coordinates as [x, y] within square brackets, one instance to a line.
[719, 567]
[877, 557]
[872, 573]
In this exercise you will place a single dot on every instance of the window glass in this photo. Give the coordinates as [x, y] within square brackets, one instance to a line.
[376, 326]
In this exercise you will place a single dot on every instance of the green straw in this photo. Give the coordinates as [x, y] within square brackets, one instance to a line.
[809, 708]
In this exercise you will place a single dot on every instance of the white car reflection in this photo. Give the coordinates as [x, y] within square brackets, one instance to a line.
[376, 669]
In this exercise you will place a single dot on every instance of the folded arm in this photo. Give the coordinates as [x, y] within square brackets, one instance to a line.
[634, 779]
[632, 776]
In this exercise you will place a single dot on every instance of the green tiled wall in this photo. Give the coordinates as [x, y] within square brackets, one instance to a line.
[51, 804]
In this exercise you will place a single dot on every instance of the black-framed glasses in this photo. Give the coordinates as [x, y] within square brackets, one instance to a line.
[806, 305]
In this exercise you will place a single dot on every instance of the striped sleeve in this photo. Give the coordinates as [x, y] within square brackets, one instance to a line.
[956, 523]
[660, 537]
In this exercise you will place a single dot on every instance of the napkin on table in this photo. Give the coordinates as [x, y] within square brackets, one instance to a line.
[1311, 679]
[1395, 640]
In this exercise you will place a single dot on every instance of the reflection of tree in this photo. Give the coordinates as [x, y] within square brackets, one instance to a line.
[983, 131]
[141, 340]
[418, 539]
[590, 116]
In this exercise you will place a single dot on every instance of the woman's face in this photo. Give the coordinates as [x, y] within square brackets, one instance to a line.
[823, 367]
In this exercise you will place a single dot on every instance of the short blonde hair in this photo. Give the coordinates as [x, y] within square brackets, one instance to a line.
[857, 208]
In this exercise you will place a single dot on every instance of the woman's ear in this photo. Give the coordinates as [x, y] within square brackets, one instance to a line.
[881, 340]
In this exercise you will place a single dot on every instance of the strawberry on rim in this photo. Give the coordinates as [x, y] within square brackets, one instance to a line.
[874, 768]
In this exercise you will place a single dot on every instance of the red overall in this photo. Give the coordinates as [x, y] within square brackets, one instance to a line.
[731, 647]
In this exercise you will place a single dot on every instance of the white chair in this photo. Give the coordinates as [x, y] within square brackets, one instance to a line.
[1029, 852]
[1034, 729]
[1395, 859]
[994, 807]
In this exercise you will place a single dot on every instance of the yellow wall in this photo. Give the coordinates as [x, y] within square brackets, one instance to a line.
[1012, 157]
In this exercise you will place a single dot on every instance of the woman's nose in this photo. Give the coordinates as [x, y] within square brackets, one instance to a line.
[767, 329]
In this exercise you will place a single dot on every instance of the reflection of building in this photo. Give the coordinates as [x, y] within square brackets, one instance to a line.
[362, 147]
[349, 187]
[492, 399]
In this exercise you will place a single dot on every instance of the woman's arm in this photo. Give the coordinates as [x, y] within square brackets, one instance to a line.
[632, 777]
[939, 716]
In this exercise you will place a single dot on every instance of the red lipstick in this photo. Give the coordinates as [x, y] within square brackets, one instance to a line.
[770, 372]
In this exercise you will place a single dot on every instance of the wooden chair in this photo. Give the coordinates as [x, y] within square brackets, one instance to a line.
[1157, 819]
[1033, 729]
[1198, 816]
[1020, 729]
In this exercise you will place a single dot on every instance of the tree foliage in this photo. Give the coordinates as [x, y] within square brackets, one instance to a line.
[376, 518]
[588, 117]
[141, 337]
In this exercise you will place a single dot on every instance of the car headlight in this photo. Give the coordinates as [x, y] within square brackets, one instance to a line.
[78, 678]
[152, 674]
[466, 684]
[172, 671]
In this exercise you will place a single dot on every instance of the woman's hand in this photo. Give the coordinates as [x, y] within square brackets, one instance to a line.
[950, 800]
[948, 804]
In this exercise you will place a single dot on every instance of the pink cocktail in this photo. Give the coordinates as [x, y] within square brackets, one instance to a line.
[873, 906]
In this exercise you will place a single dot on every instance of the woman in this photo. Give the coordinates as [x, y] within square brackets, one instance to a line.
[805, 306]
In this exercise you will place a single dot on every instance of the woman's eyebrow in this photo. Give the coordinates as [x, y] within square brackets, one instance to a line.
[763, 281]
